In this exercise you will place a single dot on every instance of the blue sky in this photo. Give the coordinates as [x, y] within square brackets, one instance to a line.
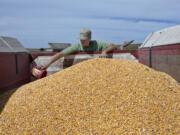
[36, 22]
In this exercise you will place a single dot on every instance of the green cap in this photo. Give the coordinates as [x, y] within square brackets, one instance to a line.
[84, 34]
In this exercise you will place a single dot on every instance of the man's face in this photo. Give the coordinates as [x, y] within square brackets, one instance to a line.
[85, 43]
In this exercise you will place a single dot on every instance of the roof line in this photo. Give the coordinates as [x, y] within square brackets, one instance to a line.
[7, 44]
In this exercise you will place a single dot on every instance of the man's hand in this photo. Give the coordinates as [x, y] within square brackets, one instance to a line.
[111, 47]
[103, 55]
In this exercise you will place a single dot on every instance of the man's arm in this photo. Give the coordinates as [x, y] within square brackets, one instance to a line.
[53, 59]
[108, 49]
[65, 52]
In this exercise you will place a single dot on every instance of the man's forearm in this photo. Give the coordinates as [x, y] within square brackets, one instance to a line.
[110, 48]
[55, 58]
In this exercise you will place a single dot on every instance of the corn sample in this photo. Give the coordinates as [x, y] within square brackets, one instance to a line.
[96, 97]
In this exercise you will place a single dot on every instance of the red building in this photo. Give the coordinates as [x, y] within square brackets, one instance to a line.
[161, 51]
[14, 63]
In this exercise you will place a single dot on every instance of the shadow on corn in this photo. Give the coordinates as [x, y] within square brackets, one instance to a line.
[4, 97]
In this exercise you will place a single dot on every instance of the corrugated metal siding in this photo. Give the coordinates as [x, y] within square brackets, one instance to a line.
[163, 37]
[9, 44]
[59, 45]
[14, 70]
[144, 57]
[165, 59]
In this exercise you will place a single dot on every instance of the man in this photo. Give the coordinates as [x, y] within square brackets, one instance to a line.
[85, 45]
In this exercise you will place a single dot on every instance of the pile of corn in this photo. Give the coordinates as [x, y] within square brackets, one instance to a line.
[95, 97]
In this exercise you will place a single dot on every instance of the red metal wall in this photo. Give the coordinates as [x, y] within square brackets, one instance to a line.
[162, 58]
[15, 67]
[144, 57]
[14, 70]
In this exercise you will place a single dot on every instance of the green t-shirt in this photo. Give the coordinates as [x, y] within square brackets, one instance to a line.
[93, 46]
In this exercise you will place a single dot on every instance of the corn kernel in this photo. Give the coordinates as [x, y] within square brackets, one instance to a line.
[95, 97]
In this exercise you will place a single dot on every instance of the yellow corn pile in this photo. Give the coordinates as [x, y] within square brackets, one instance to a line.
[96, 97]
